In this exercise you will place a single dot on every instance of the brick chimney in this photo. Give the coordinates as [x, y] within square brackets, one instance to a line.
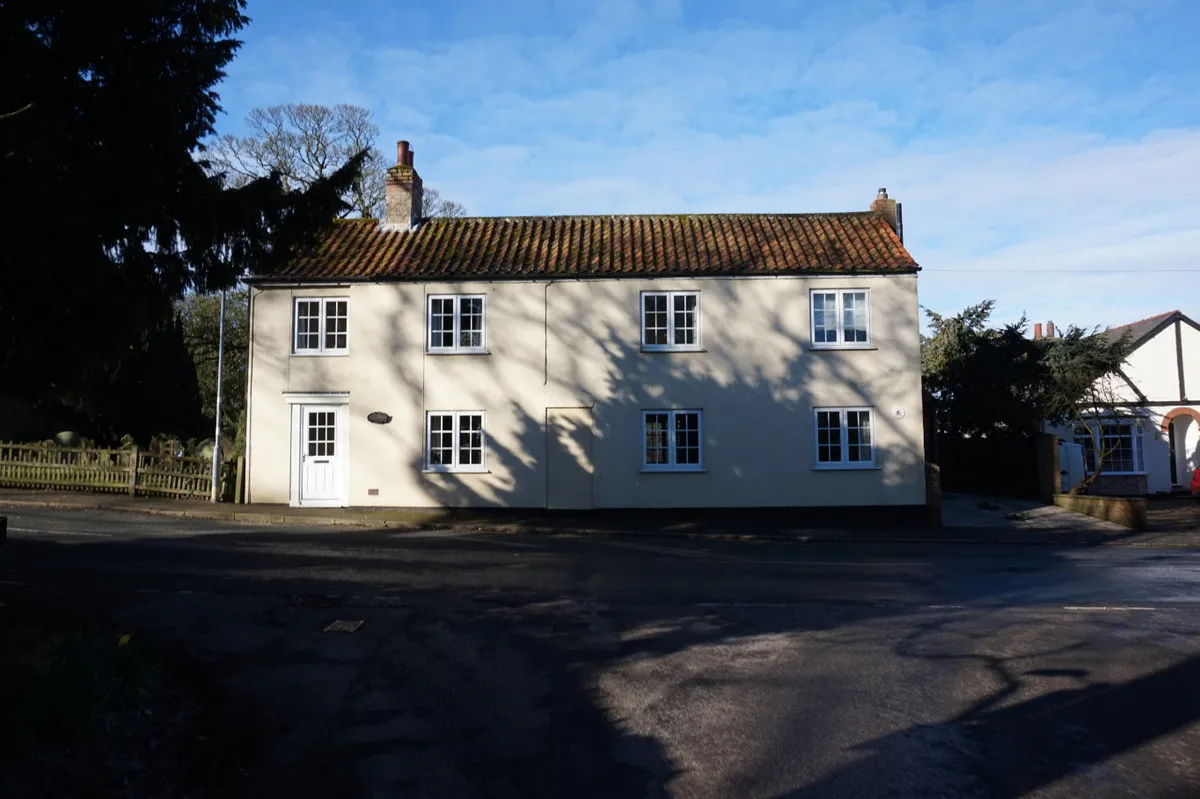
[1048, 330]
[891, 210]
[404, 194]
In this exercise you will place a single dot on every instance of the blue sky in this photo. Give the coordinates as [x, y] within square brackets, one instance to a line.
[1034, 144]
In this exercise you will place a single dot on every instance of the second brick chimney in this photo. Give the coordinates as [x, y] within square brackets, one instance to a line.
[404, 194]
[891, 210]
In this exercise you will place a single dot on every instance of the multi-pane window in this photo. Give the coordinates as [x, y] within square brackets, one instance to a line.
[456, 323]
[671, 320]
[671, 440]
[454, 441]
[321, 434]
[840, 318]
[321, 326]
[1119, 444]
[845, 437]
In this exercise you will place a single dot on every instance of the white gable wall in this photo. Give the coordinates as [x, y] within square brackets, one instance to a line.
[1153, 368]
[1191, 360]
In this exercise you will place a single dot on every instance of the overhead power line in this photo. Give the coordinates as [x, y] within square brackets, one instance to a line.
[1070, 271]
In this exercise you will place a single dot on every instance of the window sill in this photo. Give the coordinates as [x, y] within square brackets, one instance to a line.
[840, 347]
[457, 352]
[672, 471]
[670, 351]
[336, 354]
[847, 467]
[456, 471]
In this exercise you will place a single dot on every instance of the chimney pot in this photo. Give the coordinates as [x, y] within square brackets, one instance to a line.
[882, 194]
[1049, 330]
[403, 157]
[1037, 330]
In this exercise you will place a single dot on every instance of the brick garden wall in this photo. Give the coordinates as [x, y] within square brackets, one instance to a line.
[1119, 485]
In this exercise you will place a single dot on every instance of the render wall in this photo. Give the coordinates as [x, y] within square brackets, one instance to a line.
[1154, 367]
[573, 344]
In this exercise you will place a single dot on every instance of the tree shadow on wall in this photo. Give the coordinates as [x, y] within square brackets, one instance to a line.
[756, 394]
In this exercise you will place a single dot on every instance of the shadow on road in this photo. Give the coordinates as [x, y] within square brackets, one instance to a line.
[477, 675]
[1033, 743]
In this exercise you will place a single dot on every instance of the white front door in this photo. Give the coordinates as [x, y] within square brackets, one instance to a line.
[322, 455]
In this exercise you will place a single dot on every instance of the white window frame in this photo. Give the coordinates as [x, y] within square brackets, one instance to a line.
[320, 349]
[671, 465]
[844, 440]
[455, 466]
[455, 347]
[670, 346]
[841, 343]
[1135, 435]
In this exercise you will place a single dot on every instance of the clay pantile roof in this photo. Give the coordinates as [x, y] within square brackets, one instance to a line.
[496, 248]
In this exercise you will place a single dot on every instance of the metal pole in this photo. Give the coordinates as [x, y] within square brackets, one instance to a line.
[216, 459]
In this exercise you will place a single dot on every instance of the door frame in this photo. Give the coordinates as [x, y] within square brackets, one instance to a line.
[551, 441]
[339, 401]
[1173, 453]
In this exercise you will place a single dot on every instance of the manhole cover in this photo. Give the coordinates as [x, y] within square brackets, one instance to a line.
[344, 626]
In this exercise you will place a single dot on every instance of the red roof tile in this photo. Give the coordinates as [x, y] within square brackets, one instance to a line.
[605, 246]
[1139, 330]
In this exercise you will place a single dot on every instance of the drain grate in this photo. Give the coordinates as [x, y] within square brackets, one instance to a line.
[344, 626]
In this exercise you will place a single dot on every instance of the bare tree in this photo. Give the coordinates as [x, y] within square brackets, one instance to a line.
[435, 205]
[304, 143]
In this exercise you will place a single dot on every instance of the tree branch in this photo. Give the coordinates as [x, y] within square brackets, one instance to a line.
[18, 112]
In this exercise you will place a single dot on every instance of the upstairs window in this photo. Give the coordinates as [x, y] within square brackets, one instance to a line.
[845, 438]
[671, 441]
[456, 323]
[320, 326]
[670, 320]
[840, 318]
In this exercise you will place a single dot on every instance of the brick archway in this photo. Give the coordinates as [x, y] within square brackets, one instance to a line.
[1175, 414]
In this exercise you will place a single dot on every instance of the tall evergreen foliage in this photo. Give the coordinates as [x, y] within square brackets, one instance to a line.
[994, 382]
[111, 210]
[984, 381]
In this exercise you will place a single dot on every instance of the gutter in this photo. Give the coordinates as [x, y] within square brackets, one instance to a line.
[344, 282]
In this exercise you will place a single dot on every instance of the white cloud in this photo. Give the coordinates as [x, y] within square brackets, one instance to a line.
[1016, 139]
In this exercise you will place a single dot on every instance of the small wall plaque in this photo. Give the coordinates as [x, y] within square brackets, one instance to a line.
[378, 417]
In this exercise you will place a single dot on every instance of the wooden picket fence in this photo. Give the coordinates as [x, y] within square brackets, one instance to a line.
[124, 471]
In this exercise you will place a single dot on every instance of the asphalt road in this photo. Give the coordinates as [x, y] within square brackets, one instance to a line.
[498, 666]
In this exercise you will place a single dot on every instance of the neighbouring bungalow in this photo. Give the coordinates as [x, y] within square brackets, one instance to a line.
[1155, 438]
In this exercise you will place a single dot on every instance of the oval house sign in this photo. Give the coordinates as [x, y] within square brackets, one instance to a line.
[378, 417]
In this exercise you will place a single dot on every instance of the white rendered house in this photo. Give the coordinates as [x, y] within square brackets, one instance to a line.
[713, 360]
